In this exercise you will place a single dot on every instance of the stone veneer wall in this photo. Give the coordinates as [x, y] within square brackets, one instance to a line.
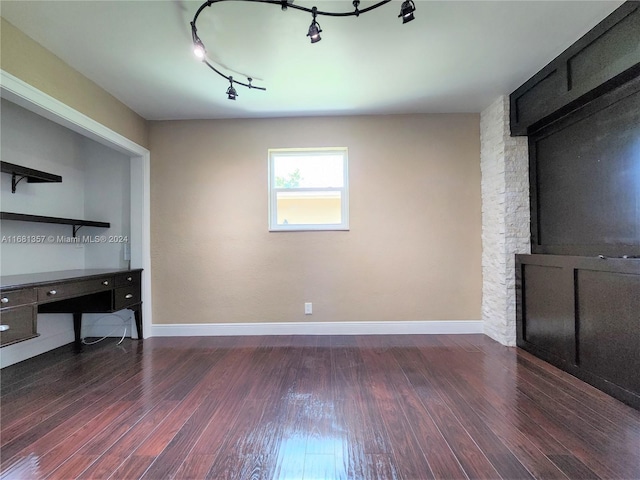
[504, 163]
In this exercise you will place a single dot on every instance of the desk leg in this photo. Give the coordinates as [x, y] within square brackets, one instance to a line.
[138, 316]
[77, 326]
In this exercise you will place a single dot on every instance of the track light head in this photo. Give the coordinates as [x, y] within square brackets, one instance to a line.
[231, 92]
[406, 11]
[199, 50]
[314, 28]
[314, 32]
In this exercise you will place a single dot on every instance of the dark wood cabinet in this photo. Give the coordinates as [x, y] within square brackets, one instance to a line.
[606, 57]
[583, 315]
[578, 295]
[584, 175]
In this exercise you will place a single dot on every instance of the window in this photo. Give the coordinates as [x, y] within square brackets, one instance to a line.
[308, 189]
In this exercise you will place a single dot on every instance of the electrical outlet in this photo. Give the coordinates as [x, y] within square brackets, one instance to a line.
[308, 308]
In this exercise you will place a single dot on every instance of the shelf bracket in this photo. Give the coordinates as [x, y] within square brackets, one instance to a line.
[14, 182]
[75, 229]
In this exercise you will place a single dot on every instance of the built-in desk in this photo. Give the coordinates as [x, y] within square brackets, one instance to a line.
[22, 297]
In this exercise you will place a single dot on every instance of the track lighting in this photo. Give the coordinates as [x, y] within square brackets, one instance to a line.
[231, 92]
[406, 12]
[314, 28]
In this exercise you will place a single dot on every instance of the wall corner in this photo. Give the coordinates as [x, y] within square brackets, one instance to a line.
[504, 164]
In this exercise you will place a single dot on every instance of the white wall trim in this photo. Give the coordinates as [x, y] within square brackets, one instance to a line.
[317, 328]
[34, 100]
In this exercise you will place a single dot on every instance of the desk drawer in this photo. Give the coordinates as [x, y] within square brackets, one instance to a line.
[124, 297]
[56, 292]
[129, 278]
[18, 324]
[14, 298]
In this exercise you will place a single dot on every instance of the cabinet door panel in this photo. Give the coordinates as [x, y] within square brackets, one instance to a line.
[549, 322]
[608, 317]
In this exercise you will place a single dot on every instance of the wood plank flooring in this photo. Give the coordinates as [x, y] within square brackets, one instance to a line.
[302, 408]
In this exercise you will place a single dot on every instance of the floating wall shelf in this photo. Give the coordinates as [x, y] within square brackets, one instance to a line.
[77, 224]
[19, 173]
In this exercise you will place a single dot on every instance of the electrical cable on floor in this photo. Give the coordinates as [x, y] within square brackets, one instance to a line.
[124, 334]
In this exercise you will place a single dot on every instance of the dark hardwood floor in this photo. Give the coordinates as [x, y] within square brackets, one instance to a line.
[375, 407]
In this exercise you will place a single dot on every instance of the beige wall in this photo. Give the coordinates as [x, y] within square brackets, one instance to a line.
[413, 251]
[26, 59]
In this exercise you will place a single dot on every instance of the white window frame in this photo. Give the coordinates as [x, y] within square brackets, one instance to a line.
[273, 190]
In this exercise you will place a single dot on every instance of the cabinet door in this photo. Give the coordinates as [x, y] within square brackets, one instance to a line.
[608, 333]
[549, 315]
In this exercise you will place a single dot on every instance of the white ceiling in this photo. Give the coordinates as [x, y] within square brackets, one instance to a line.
[456, 56]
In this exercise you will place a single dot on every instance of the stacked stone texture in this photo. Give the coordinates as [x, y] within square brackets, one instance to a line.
[505, 218]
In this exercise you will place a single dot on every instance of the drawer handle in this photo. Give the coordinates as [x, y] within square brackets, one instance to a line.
[130, 278]
[4, 300]
[51, 292]
[105, 283]
[4, 328]
[128, 296]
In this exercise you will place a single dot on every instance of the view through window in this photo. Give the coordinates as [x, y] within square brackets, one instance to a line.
[308, 189]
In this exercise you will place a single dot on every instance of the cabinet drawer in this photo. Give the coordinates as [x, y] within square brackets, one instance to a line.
[14, 298]
[129, 278]
[17, 324]
[126, 296]
[73, 289]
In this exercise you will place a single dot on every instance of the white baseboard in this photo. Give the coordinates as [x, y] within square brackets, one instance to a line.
[317, 328]
[62, 335]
